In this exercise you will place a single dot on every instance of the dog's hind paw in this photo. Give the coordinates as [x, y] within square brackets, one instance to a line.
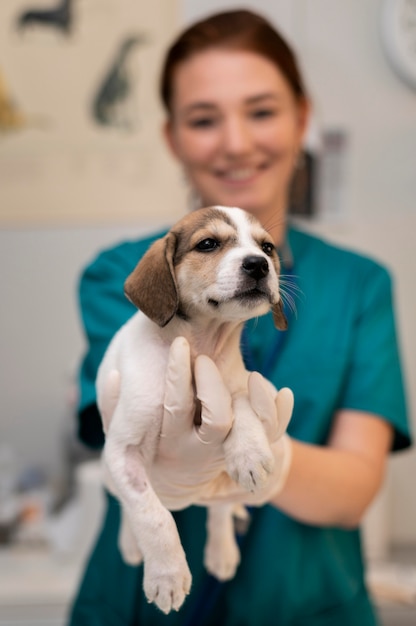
[131, 555]
[127, 543]
[222, 563]
[167, 587]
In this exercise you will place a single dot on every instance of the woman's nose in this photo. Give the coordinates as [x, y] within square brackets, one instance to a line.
[236, 136]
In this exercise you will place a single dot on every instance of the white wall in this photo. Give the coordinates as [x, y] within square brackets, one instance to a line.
[353, 88]
[40, 336]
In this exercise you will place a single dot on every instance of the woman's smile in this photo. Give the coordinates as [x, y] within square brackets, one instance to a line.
[239, 175]
[237, 129]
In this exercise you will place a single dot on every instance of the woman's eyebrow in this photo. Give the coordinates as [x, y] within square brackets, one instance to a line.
[206, 106]
[261, 97]
[199, 106]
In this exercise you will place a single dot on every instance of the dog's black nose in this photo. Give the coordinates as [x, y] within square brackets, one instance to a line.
[255, 266]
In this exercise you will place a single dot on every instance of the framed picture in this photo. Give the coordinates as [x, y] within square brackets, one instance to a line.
[80, 119]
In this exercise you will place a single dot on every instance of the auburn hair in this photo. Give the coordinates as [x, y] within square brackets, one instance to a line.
[232, 30]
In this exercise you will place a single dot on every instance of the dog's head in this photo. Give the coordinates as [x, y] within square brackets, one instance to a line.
[215, 262]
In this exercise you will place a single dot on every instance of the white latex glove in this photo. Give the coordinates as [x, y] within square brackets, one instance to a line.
[190, 463]
[190, 457]
[274, 409]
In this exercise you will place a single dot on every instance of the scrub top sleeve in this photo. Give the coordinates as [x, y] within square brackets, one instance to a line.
[104, 309]
[375, 382]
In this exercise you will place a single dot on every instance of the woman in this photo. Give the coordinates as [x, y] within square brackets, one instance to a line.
[237, 111]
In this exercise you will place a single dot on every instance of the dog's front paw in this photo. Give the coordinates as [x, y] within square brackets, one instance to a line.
[222, 560]
[167, 585]
[250, 468]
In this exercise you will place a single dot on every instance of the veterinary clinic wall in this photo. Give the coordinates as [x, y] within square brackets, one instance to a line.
[353, 89]
[79, 111]
[82, 164]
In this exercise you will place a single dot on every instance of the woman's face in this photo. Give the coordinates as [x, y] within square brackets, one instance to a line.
[237, 129]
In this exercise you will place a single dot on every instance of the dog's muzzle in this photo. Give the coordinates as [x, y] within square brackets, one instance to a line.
[255, 266]
[254, 286]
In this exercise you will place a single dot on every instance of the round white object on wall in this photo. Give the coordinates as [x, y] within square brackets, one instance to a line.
[398, 36]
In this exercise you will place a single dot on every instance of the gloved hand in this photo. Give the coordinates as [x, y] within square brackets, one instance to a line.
[190, 464]
[274, 409]
[189, 456]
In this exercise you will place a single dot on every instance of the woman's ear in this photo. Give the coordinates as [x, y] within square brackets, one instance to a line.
[168, 134]
[304, 117]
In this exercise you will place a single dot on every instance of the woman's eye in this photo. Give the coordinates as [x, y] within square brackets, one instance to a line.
[262, 113]
[268, 248]
[202, 122]
[207, 245]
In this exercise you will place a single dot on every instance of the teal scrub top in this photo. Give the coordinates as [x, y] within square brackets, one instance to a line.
[340, 352]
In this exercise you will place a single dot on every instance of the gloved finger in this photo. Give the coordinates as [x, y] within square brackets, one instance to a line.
[216, 411]
[284, 407]
[179, 399]
[111, 394]
[274, 408]
[262, 395]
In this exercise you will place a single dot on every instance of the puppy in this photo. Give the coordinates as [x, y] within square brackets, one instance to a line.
[216, 268]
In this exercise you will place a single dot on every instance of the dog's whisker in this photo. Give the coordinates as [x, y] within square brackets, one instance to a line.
[270, 224]
[289, 281]
[290, 292]
[295, 295]
[290, 302]
[255, 322]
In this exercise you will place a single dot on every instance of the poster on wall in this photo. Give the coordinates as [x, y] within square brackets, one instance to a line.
[80, 118]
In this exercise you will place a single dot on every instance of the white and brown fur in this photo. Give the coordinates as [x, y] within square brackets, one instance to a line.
[204, 296]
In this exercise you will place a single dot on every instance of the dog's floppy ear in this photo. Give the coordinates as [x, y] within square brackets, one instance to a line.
[152, 284]
[279, 317]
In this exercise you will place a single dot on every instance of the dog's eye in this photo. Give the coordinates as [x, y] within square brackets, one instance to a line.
[268, 248]
[207, 245]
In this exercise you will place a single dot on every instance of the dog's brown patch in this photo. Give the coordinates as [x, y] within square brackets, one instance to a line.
[198, 225]
[152, 285]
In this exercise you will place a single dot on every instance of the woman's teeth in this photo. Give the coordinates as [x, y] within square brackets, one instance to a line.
[242, 174]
